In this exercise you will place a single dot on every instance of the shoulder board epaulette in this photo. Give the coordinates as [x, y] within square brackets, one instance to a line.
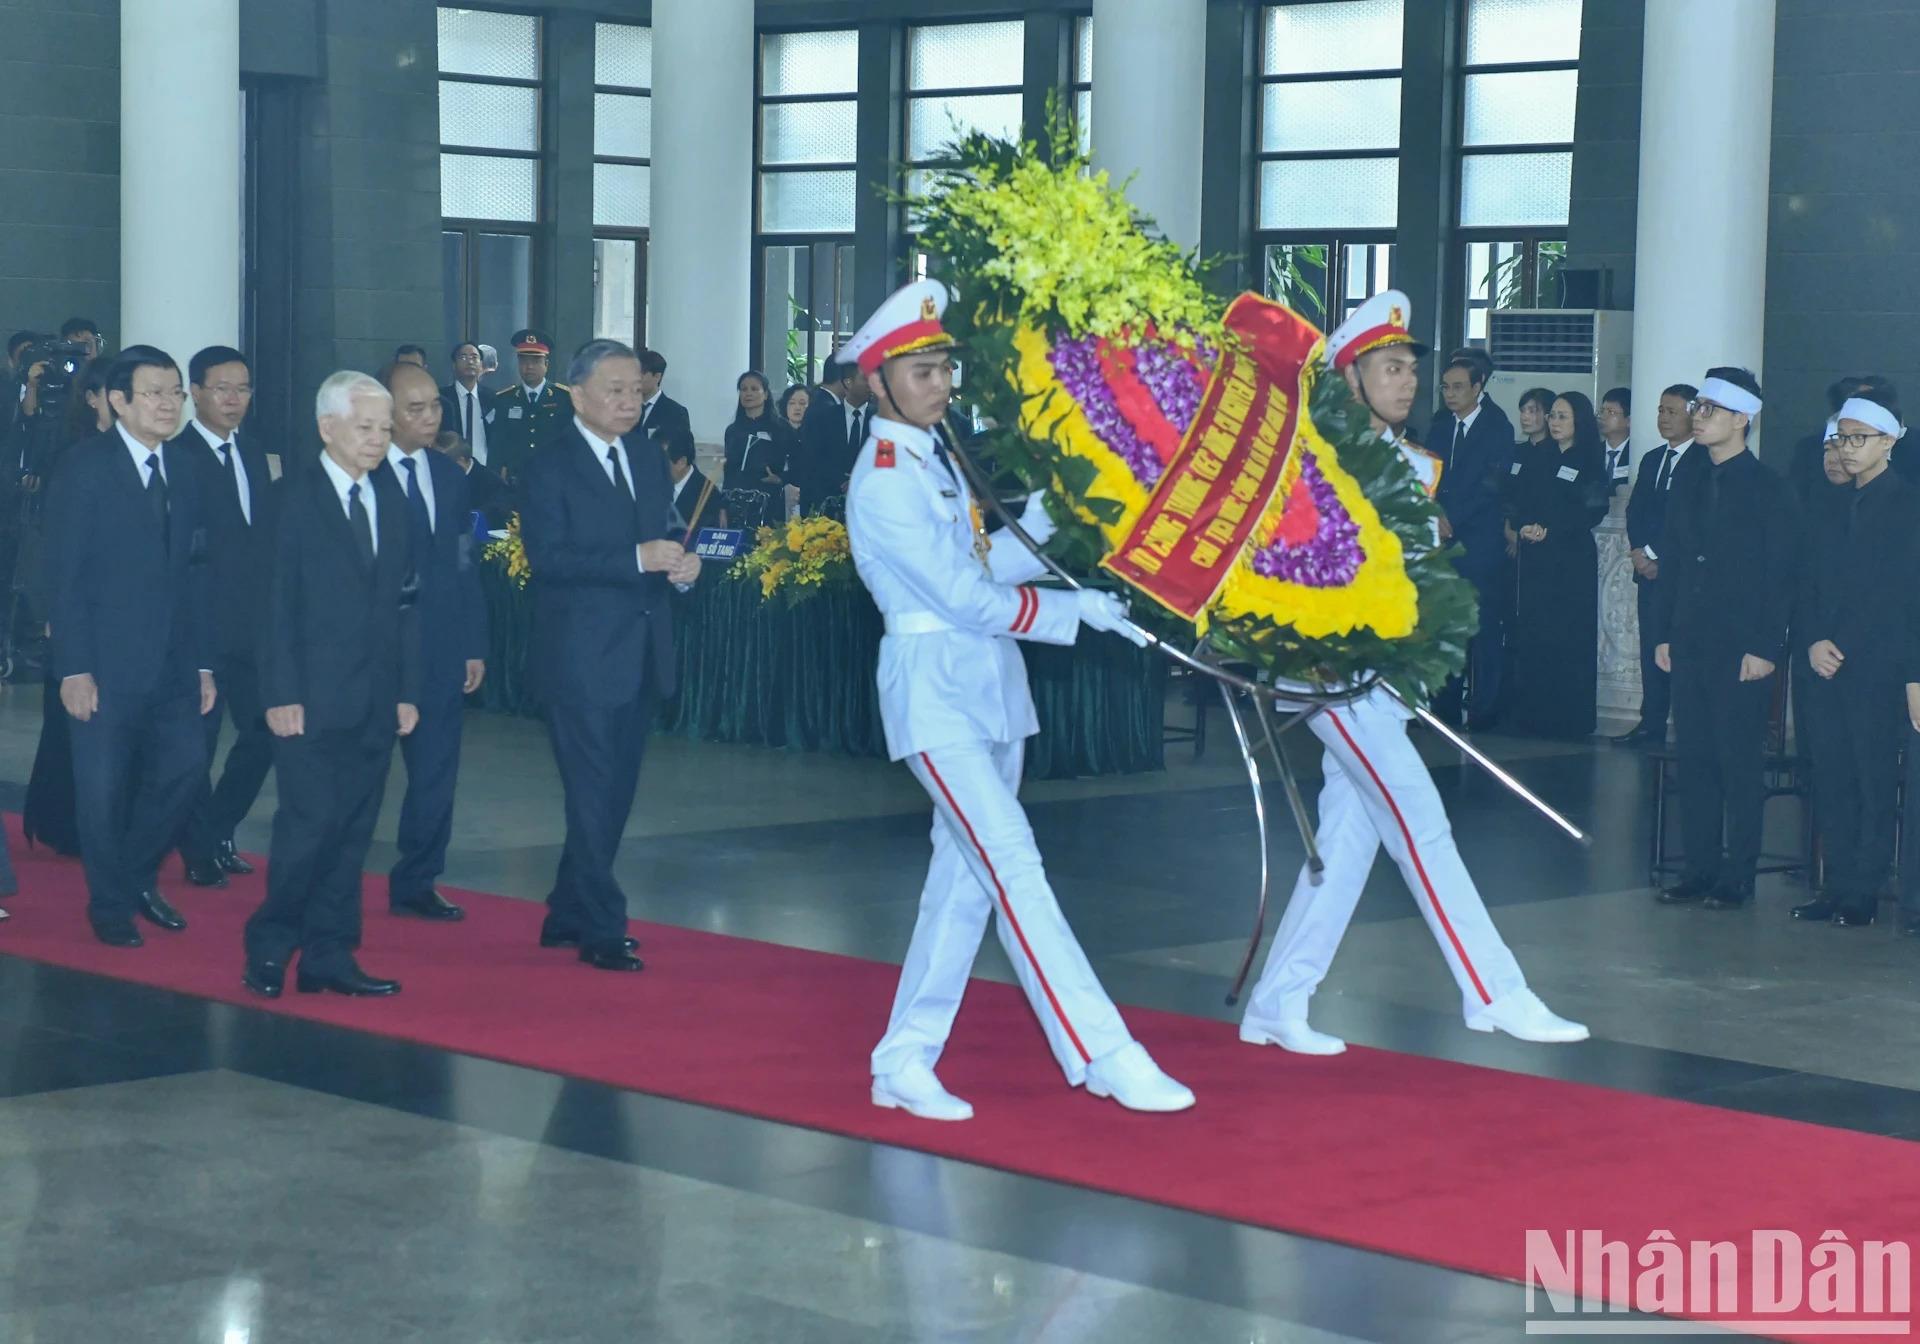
[883, 453]
[560, 387]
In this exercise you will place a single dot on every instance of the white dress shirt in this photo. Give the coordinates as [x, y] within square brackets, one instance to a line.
[465, 397]
[398, 460]
[141, 453]
[600, 447]
[343, 483]
[646, 409]
[221, 449]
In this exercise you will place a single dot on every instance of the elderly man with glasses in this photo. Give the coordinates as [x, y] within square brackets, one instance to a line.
[1719, 627]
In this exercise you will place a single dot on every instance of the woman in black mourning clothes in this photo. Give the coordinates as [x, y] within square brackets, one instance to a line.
[1559, 495]
[756, 441]
[48, 815]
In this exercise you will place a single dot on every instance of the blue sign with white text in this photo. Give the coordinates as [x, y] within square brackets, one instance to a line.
[719, 543]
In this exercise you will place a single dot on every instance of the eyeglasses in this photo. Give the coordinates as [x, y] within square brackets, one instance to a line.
[1855, 440]
[1705, 410]
[163, 395]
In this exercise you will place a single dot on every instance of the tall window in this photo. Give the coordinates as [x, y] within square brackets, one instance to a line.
[622, 178]
[1329, 151]
[489, 170]
[1520, 79]
[803, 300]
[962, 77]
[1083, 80]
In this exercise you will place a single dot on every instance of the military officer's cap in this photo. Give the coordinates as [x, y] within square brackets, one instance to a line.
[530, 342]
[1376, 324]
[908, 323]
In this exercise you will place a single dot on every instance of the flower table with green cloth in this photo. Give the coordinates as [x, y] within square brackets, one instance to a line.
[801, 676]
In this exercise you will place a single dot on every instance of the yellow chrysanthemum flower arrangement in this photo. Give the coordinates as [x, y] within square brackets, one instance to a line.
[510, 553]
[796, 561]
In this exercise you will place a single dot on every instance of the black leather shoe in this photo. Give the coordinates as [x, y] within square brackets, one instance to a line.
[265, 978]
[1727, 898]
[151, 906]
[1686, 891]
[230, 861]
[119, 934]
[349, 979]
[1852, 919]
[1639, 737]
[429, 904]
[611, 957]
[1819, 911]
[208, 874]
[551, 938]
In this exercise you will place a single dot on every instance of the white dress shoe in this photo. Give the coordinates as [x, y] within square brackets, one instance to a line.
[1130, 1077]
[1294, 1035]
[1522, 1015]
[916, 1091]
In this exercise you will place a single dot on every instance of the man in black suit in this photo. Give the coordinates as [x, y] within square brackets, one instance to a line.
[1646, 526]
[1615, 416]
[659, 413]
[237, 499]
[688, 483]
[129, 600]
[831, 433]
[1720, 628]
[452, 619]
[486, 492]
[464, 404]
[594, 521]
[340, 671]
[1474, 441]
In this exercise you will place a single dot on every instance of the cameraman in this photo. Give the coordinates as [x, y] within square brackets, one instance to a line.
[54, 367]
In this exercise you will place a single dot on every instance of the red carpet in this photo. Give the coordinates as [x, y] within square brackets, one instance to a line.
[1439, 1162]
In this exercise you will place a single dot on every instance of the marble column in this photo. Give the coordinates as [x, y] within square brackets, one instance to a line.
[1700, 245]
[180, 150]
[1149, 72]
[700, 251]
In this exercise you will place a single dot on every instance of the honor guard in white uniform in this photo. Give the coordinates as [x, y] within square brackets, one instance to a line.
[955, 707]
[1378, 792]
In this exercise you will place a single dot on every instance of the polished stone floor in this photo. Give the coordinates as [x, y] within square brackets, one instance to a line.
[173, 1170]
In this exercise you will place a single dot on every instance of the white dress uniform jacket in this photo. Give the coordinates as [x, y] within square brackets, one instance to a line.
[949, 671]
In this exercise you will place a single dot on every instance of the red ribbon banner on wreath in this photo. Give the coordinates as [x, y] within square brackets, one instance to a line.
[1220, 481]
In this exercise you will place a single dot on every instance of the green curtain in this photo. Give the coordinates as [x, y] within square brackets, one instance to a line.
[764, 674]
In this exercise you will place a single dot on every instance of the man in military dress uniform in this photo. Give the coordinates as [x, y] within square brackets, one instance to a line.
[955, 706]
[527, 414]
[1378, 792]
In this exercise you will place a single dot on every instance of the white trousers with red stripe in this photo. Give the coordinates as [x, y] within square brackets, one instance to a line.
[985, 864]
[1378, 791]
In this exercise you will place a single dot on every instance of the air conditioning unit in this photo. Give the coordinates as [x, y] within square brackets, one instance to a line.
[1565, 349]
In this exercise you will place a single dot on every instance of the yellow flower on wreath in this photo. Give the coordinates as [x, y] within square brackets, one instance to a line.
[1049, 414]
[510, 552]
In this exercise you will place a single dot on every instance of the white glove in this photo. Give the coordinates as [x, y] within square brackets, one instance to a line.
[1035, 520]
[1104, 611]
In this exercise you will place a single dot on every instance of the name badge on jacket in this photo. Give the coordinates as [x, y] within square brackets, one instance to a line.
[1514, 470]
[1568, 473]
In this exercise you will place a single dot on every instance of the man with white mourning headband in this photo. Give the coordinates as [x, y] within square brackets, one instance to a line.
[1719, 620]
[1855, 630]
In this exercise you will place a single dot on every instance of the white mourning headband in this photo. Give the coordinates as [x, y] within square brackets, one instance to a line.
[1870, 413]
[1723, 393]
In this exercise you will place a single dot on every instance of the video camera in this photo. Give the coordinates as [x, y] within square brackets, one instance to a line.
[64, 360]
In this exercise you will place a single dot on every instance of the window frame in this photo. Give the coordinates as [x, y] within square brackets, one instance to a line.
[538, 154]
[641, 231]
[1463, 151]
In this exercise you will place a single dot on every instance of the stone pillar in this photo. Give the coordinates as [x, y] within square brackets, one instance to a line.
[1700, 248]
[179, 175]
[699, 255]
[1149, 70]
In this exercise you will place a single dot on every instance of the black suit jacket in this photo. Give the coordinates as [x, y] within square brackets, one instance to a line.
[1647, 505]
[1728, 568]
[823, 458]
[682, 509]
[129, 598]
[602, 630]
[666, 414]
[239, 553]
[452, 609]
[451, 416]
[490, 495]
[341, 637]
[1471, 480]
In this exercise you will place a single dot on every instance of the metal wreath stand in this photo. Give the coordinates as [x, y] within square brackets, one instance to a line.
[1293, 703]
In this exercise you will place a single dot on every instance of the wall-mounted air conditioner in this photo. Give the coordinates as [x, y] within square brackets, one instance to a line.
[1566, 349]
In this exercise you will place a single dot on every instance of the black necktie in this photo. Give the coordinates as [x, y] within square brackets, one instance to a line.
[619, 476]
[855, 437]
[229, 454]
[1666, 473]
[420, 523]
[157, 491]
[361, 524]
[1459, 434]
[466, 397]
